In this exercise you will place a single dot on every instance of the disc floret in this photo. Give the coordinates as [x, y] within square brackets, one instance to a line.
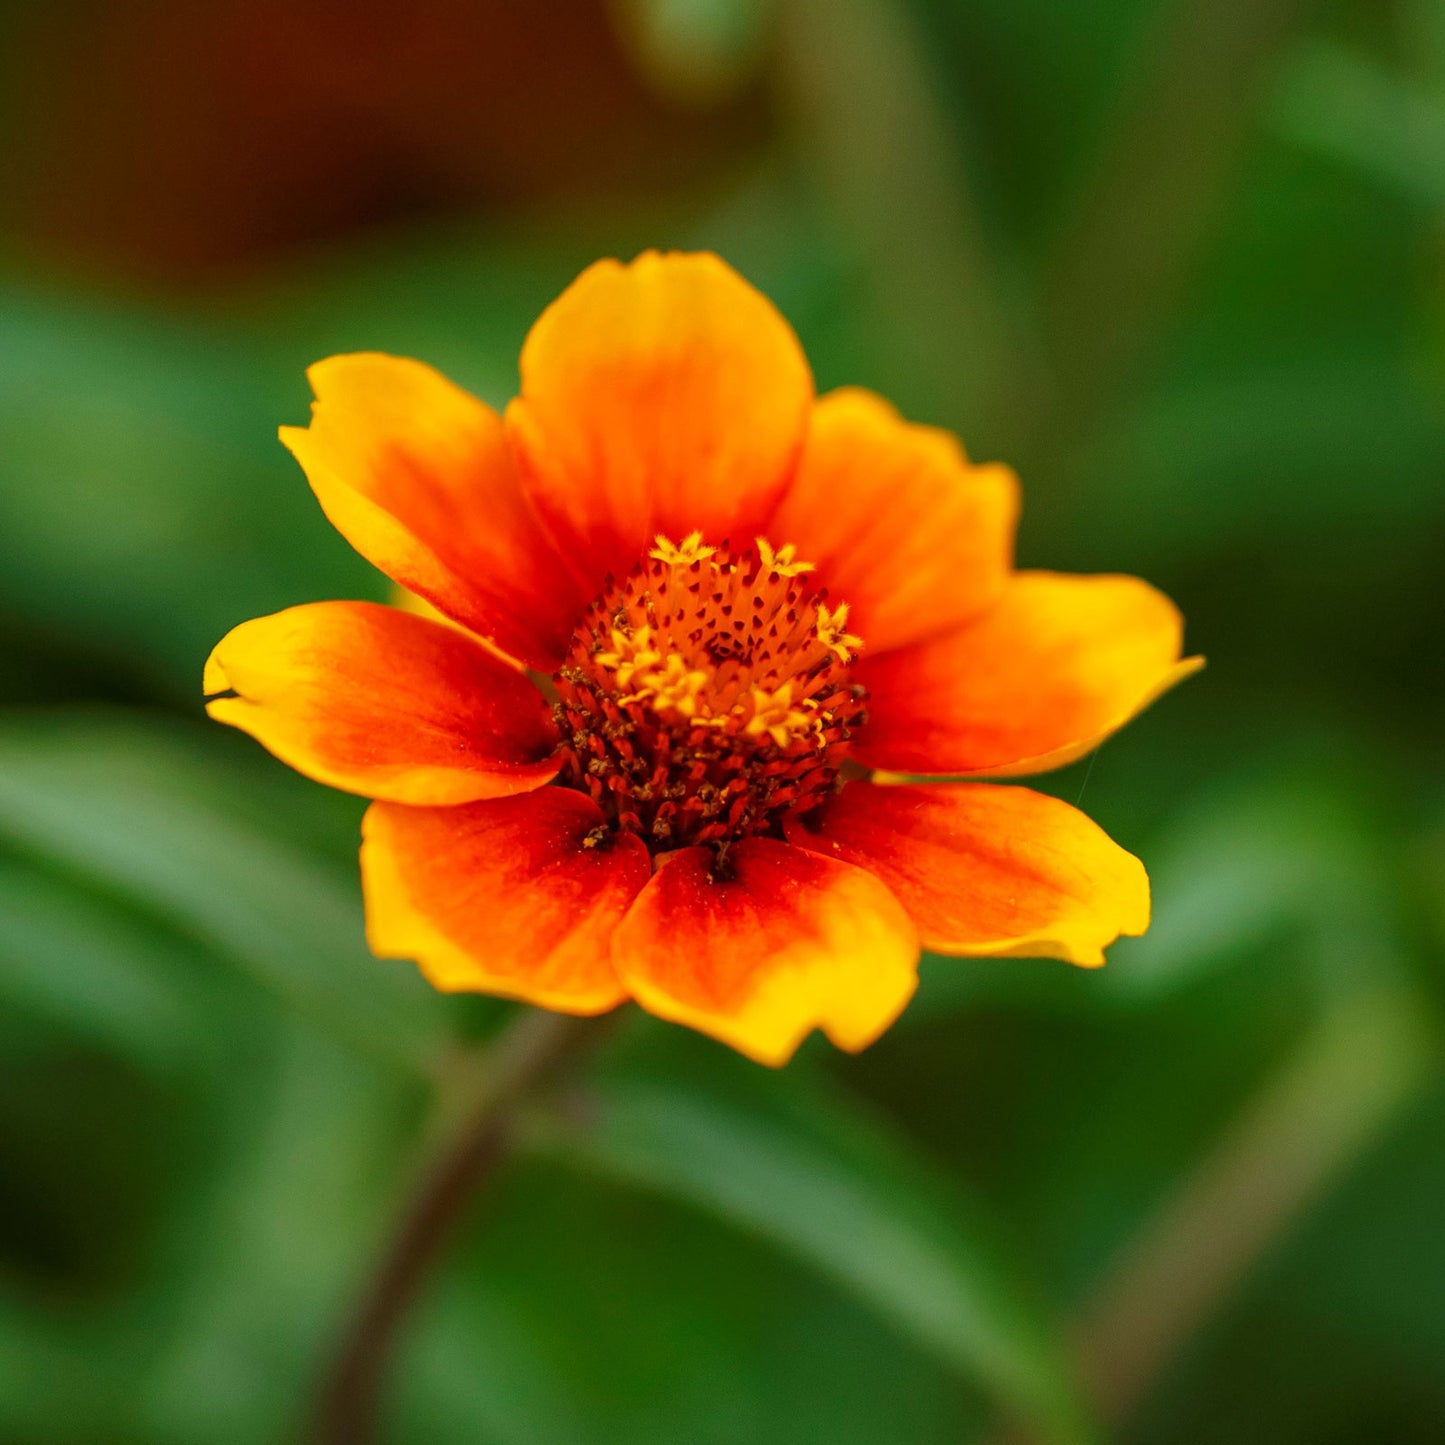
[709, 694]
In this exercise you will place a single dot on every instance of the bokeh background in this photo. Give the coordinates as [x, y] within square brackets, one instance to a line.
[1183, 264]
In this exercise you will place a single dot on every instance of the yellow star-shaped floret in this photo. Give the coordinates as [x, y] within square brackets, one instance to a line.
[775, 714]
[833, 632]
[783, 562]
[684, 553]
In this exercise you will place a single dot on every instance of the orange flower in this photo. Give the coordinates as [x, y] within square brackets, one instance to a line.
[696, 608]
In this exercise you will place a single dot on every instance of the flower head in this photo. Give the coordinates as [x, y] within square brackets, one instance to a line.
[696, 625]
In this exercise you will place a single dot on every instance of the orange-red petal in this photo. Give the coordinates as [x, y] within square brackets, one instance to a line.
[502, 897]
[898, 522]
[662, 396]
[1047, 673]
[789, 942]
[416, 474]
[987, 870]
[382, 703]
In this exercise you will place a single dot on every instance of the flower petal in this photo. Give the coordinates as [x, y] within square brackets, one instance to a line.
[791, 942]
[1045, 675]
[383, 703]
[502, 897]
[416, 474]
[663, 396]
[900, 525]
[987, 870]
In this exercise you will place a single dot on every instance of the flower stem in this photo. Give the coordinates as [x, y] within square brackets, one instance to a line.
[475, 1139]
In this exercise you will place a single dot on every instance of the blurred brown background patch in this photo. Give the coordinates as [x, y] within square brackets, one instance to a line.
[178, 142]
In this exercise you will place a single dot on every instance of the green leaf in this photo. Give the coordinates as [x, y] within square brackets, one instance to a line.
[54, 1383]
[1250, 862]
[472, 1372]
[1339, 439]
[1352, 109]
[140, 809]
[580, 1309]
[1369, 1057]
[260, 1266]
[96, 970]
[847, 1201]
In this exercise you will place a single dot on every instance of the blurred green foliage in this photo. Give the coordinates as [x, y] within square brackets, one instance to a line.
[1182, 264]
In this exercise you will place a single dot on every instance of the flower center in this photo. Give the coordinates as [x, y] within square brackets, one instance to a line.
[708, 694]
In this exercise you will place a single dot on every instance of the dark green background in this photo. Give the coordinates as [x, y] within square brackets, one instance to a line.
[1180, 263]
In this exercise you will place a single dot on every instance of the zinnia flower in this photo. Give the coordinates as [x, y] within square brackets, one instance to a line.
[692, 628]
